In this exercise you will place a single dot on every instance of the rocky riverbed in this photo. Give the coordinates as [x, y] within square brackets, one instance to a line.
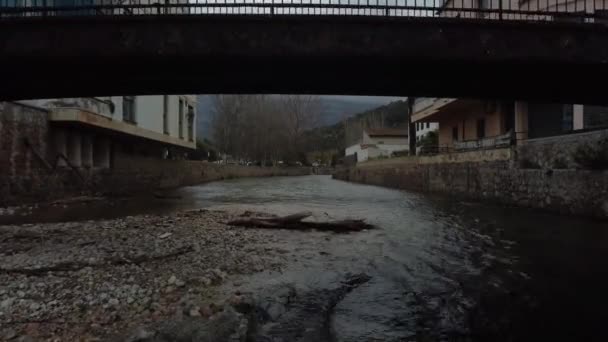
[431, 270]
[97, 280]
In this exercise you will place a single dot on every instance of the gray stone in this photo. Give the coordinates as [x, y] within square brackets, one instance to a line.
[194, 311]
[172, 280]
[206, 281]
[114, 302]
[9, 334]
[140, 334]
[7, 303]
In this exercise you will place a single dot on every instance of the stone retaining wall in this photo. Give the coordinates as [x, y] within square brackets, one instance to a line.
[579, 192]
[138, 174]
[556, 152]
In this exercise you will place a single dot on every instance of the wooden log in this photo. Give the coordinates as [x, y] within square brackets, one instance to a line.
[295, 221]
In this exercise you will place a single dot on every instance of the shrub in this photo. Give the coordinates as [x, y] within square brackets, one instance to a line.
[560, 163]
[592, 156]
[526, 163]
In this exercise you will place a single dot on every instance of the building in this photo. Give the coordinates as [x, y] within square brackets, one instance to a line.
[560, 10]
[477, 124]
[379, 142]
[92, 132]
[423, 128]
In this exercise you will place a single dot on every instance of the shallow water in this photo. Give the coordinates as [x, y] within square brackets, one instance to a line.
[442, 270]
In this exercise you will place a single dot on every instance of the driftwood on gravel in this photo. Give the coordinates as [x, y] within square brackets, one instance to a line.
[65, 266]
[296, 222]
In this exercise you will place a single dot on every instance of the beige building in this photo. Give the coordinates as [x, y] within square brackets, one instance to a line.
[473, 124]
[563, 10]
[91, 132]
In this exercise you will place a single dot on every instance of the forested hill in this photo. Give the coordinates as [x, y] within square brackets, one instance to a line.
[348, 132]
[333, 109]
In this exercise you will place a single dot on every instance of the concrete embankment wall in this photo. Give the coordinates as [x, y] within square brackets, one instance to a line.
[496, 178]
[131, 174]
[127, 177]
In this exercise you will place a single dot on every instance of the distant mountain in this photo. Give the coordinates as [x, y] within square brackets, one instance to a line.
[335, 109]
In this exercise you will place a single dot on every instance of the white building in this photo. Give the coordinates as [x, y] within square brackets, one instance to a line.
[379, 142]
[90, 132]
[423, 128]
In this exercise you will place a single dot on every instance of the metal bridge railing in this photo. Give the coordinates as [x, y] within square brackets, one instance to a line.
[579, 11]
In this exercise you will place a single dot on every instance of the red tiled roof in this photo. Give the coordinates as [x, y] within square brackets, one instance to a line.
[386, 132]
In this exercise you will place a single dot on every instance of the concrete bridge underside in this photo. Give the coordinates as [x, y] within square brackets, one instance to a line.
[102, 56]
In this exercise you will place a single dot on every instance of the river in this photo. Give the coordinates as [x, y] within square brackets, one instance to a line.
[441, 269]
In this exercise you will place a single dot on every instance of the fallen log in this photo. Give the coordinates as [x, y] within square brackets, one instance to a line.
[295, 222]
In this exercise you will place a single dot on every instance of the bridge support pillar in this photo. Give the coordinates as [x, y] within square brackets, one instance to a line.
[101, 152]
[521, 121]
[60, 145]
[87, 150]
[75, 148]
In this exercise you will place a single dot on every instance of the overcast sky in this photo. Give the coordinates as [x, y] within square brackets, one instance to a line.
[385, 99]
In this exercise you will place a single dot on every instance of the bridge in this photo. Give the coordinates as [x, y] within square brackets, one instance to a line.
[529, 50]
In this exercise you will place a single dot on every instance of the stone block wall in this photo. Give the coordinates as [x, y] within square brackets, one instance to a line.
[24, 139]
[569, 191]
[556, 152]
[132, 174]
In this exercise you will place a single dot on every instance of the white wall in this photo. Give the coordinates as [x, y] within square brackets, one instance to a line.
[387, 150]
[422, 129]
[350, 150]
[384, 140]
[148, 110]
[149, 113]
[362, 153]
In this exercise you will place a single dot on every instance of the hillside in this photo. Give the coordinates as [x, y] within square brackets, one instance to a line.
[348, 132]
[335, 109]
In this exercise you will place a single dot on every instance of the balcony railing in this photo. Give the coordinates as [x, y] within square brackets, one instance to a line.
[581, 11]
[503, 140]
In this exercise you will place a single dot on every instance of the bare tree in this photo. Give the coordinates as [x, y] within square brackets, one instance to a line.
[251, 127]
[302, 113]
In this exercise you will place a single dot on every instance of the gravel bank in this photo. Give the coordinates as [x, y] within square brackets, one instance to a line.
[89, 281]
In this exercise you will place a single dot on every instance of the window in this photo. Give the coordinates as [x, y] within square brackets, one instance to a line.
[481, 128]
[595, 117]
[417, 123]
[455, 133]
[428, 125]
[483, 4]
[567, 118]
[190, 123]
[128, 109]
[549, 119]
[166, 114]
[180, 123]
